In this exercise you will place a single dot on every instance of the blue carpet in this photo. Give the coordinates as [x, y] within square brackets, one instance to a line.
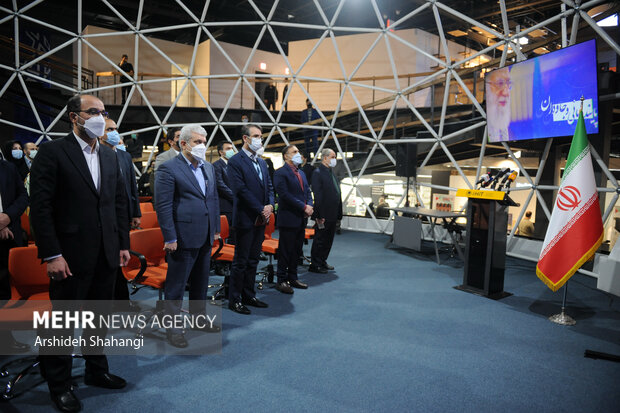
[385, 332]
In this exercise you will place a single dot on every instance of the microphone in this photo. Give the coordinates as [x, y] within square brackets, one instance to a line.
[499, 175]
[484, 179]
[510, 179]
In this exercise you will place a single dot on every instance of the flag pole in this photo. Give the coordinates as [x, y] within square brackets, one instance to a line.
[563, 318]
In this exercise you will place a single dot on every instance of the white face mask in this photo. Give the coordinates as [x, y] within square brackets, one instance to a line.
[332, 163]
[94, 127]
[256, 144]
[199, 151]
[260, 151]
[297, 159]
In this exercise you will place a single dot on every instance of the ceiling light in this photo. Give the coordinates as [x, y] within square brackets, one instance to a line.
[262, 66]
[523, 40]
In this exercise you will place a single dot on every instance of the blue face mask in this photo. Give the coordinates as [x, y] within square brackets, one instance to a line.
[17, 153]
[113, 138]
[230, 153]
[33, 153]
[121, 147]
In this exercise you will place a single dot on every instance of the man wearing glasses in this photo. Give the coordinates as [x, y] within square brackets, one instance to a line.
[79, 213]
[252, 209]
[498, 104]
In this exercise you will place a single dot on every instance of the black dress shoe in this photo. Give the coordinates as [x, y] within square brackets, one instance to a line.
[106, 380]
[298, 284]
[207, 328]
[66, 401]
[177, 340]
[284, 287]
[318, 270]
[255, 302]
[329, 267]
[238, 307]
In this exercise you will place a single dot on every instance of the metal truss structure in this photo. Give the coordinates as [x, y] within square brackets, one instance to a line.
[449, 72]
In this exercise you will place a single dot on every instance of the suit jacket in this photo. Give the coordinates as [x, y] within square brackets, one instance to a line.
[250, 194]
[223, 186]
[166, 156]
[131, 185]
[327, 199]
[67, 213]
[14, 197]
[292, 198]
[184, 213]
[160, 159]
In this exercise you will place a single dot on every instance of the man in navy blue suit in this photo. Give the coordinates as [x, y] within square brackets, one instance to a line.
[226, 151]
[252, 209]
[294, 208]
[188, 211]
[327, 211]
[112, 139]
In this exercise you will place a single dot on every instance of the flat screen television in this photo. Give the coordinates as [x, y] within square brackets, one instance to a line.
[541, 97]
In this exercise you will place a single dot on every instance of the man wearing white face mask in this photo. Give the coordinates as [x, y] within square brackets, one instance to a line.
[188, 212]
[294, 208]
[327, 211]
[79, 215]
[252, 209]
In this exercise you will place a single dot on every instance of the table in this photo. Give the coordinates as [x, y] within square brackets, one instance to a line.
[449, 223]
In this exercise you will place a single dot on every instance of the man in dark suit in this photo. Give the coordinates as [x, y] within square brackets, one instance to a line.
[252, 209]
[327, 211]
[79, 215]
[306, 166]
[112, 139]
[13, 203]
[294, 208]
[188, 211]
[226, 151]
[173, 152]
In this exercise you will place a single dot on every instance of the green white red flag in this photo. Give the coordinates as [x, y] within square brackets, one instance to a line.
[576, 228]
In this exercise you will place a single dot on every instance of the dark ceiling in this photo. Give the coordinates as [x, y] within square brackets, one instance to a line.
[354, 13]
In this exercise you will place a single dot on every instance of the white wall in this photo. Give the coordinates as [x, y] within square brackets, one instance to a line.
[148, 61]
[324, 63]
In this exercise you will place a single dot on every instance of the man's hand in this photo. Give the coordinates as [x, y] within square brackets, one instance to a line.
[4, 220]
[308, 210]
[170, 246]
[6, 234]
[58, 269]
[124, 257]
[267, 211]
[135, 222]
[320, 221]
[217, 235]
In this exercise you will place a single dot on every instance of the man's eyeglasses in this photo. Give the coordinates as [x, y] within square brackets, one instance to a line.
[95, 112]
[502, 83]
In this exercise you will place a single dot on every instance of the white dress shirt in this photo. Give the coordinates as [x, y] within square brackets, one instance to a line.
[92, 160]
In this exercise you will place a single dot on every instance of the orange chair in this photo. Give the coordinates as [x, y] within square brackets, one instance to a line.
[25, 223]
[29, 292]
[146, 207]
[222, 253]
[270, 248]
[149, 220]
[145, 198]
[147, 266]
[304, 259]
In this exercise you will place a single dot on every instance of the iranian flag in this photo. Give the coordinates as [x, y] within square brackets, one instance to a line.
[576, 229]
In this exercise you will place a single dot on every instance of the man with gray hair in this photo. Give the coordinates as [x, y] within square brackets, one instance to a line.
[327, 211]
[188, 212]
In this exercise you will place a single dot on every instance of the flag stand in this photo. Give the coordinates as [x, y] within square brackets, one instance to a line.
[563, 318]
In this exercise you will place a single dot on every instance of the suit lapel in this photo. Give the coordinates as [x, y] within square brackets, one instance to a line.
[250, 165]
[74, 152]
[185, 168]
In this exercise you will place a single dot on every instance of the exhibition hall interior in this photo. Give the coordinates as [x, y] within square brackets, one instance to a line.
[455, 126]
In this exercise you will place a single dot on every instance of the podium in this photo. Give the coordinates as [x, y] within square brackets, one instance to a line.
[485, 247]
